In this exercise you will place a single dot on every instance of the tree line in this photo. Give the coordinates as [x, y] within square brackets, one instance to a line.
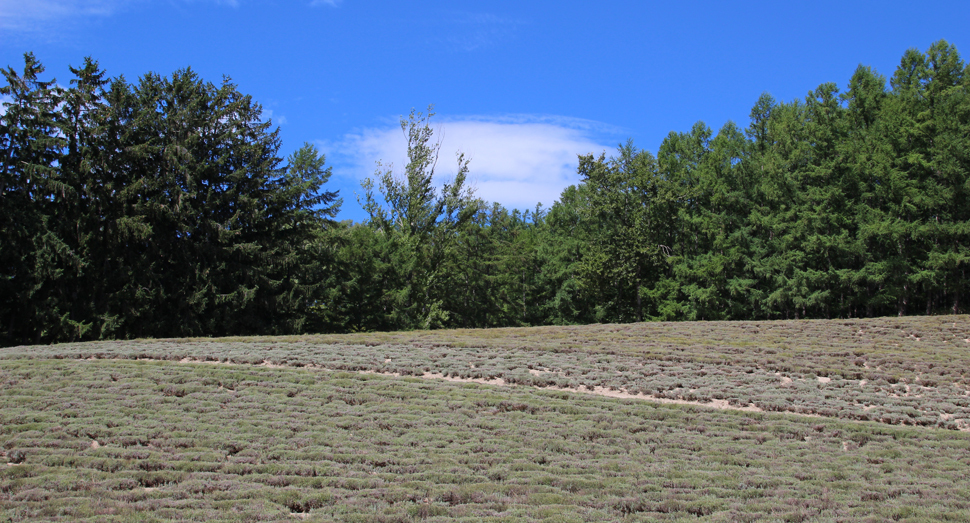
[161, 208]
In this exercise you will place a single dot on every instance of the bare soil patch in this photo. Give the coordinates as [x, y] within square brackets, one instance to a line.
[596, 391]
[895, 371]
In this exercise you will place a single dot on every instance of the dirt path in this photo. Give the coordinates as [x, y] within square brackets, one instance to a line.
[607, 392]
[719, 404]
[499, 382]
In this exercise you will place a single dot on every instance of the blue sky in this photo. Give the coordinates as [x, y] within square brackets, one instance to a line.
[520, 87]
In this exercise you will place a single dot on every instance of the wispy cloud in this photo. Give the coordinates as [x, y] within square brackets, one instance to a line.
[268, 114]
[473, 31]
[331, 3]
[28, 15]
[517, 160]
[37, 15]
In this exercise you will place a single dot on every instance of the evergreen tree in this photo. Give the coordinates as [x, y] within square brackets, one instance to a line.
[945, 220]
[869, 165]
[563, 244]
[33, 257]
[627, 254]
[82, 214]
[162, 208]
[717, 280]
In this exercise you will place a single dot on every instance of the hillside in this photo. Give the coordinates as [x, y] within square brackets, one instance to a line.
[845, 420]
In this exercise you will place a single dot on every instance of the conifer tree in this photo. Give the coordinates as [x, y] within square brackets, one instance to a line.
[33, 258]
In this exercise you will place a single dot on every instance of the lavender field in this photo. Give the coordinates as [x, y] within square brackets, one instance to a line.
[840, 420]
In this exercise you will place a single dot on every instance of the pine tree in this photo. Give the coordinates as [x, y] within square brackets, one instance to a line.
[33, 257]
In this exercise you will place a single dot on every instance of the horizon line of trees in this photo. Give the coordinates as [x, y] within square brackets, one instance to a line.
[162, 209]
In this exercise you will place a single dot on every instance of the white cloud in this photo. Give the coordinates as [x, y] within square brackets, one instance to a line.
[331, 3]
[35, 15]
[20, 14]
[269, 115]
[517, 161]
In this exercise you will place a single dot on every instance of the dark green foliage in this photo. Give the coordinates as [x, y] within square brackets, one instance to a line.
[161, 208]
[562, 240]
[226, 219]
[33, 256]
[154, 209]
[632, 232]
[841, 205]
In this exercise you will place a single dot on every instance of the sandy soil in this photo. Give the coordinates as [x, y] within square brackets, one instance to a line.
[597, 391]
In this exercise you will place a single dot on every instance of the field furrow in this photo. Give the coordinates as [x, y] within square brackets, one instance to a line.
[817, 421]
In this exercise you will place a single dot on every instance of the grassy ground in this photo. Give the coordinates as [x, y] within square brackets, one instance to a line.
[117, 438]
